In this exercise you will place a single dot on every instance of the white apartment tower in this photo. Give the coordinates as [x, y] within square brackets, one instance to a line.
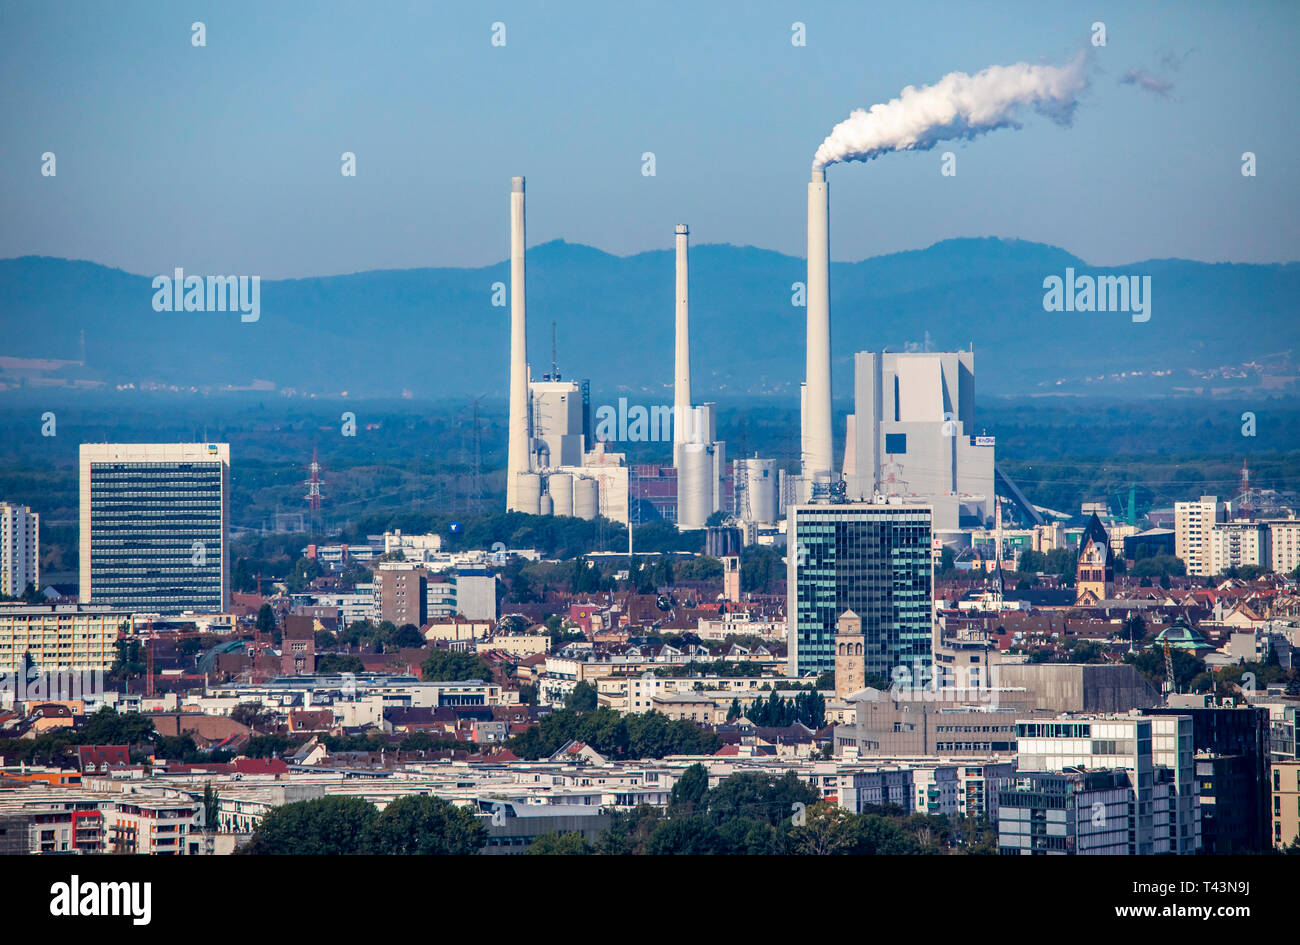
[20, 549]
[1193, 522]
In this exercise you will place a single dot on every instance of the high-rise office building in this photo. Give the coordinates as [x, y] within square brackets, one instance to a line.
[154, 518]
[872, 559]
[20, 549]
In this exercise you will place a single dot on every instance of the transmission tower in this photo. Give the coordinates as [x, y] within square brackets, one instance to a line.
[313, 495]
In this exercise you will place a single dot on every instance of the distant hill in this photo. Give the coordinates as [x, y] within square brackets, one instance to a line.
[434, 332]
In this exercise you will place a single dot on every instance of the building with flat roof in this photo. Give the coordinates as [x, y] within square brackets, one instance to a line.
[1232, 757]
[1285, 807]
[1193, 522]
[1284, 545]
[154, 520]
[1154, 750]
[59, 637]
[20, 549]
[1234, 544]
[1067, 813]
[912, 433]
[873, 559]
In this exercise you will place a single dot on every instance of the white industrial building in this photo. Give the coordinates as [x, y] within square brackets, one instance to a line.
[549, 468]
[912, 434]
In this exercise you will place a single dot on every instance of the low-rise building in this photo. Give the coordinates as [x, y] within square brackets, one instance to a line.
[60, 636]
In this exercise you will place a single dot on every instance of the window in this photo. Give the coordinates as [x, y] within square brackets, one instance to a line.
[895, 442]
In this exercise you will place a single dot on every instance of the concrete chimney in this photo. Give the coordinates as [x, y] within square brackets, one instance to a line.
[682, 360]
[817, 443]
[518, 459]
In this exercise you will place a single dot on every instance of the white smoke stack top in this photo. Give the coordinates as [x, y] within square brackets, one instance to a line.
[518, 459]
[817, 442]
[957, 106]
[682, 420]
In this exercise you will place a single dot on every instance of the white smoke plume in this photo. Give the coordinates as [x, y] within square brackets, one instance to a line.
[957, 106]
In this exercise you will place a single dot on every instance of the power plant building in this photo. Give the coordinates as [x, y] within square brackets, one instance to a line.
[551, 468]
[912, 435]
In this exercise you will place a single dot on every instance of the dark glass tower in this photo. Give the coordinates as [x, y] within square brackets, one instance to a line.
[872, 559]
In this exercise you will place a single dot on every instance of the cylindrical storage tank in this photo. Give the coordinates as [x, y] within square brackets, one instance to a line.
[586, 498]
[694, 486]
[760, 489]
[560, 486]
[529, 493]
[546, 506]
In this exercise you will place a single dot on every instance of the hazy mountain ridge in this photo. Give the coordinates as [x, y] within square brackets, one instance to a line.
[434, 332]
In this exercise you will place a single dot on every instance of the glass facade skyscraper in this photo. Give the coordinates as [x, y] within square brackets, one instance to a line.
[872, 559]
[153, 526]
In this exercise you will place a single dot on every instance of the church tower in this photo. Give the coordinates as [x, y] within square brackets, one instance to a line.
[850, 663]
[1095, 577]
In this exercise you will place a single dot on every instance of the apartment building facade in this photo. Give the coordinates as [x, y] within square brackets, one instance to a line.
[59, 637]
[1193, 522]
[20, 549]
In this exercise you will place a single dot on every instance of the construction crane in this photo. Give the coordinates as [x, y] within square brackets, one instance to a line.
[1169, 669]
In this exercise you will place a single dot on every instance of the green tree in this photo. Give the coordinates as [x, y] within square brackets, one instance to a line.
[211, 807]
[266, 619]
[408, 635]
[689, 836]
[761, 797]
[252, 714]
[339, 663]
[422, 825]
[583, 698]
[569, 843]
[108, 727]
[691, 791]
[327, 826]
[450, 666]
[267, 746]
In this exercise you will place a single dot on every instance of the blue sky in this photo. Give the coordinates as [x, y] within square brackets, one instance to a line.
[226, 158]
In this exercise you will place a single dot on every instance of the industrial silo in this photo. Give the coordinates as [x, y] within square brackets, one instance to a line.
[529, 493]
[694, 485]
[760, 491]
[560, 486]
[586, 498]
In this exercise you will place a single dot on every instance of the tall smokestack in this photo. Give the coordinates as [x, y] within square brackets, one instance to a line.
[682, 359]
[518, 459]
[817, 446]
